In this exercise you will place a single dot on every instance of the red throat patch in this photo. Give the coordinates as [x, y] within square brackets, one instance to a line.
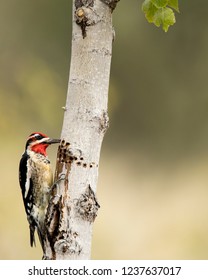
[40, 149]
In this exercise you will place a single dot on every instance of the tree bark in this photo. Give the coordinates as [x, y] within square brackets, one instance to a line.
[73, 205]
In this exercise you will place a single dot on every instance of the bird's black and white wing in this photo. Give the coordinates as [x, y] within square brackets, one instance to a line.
[26, 185]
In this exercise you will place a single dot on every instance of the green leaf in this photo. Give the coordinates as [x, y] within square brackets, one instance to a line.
[159, 3]
[164, 17]
[160, 12]
[149, 10]
[173, 4]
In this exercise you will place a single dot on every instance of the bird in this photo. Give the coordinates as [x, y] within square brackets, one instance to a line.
[36, 181]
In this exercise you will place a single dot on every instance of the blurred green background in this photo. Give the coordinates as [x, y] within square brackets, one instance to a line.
[153, 181]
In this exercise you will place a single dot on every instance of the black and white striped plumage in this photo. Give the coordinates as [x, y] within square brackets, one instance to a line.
[36, 179]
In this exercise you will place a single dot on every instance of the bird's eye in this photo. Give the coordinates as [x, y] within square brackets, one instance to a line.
[38, 137]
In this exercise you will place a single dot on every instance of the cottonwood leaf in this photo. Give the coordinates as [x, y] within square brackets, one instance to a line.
[164, 17]
[159, 3]
[160, 12]
[149, 10]
[173, 4]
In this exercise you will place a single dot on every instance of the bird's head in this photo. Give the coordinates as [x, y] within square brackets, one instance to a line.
[38, 142]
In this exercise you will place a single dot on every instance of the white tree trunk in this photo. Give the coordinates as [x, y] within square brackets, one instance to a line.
[73, 206]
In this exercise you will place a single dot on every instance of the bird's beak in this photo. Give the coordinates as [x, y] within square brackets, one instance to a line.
[52, 141]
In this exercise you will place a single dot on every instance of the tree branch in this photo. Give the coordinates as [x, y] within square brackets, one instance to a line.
[73, 206]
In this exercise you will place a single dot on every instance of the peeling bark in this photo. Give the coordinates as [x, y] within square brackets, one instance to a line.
[87, 205]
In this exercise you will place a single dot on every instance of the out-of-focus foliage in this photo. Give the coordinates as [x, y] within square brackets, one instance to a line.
[153, 174]
[160, 12]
